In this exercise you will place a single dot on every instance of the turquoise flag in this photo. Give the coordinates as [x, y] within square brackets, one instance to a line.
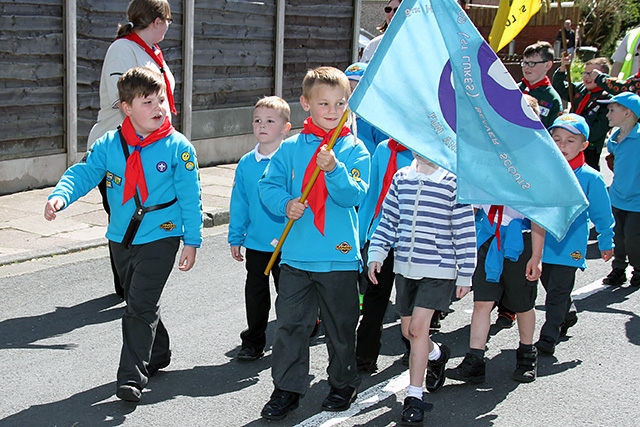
[436, 86]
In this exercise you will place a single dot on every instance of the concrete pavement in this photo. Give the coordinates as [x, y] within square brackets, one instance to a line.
[25, 234]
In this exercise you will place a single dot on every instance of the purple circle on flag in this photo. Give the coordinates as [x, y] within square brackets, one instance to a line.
[447, 96]
[502, 93]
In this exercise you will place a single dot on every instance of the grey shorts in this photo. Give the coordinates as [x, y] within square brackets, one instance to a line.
[517, 293]
[434, 294]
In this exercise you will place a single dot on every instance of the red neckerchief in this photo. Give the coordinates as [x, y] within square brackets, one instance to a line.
[134, 173]
[577, 161]
[392, 167]
[159, 60]
[493, 210]
[637, 75]
[586, 99]
[317, 197]
[544, 82]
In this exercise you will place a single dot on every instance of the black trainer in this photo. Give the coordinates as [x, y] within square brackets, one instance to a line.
[435, 370]
[616, 278]
[546, 345]
[364, 365]
[248, 354]
[471, 370]
[635, 279]
[413, 411]
[526, 365]
[569, 321]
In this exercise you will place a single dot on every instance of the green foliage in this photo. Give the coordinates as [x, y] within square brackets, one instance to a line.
[604, 22]
[577, 67]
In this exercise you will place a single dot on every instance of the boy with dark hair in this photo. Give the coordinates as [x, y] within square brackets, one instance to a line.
[321, 256]
[154, 193]
[561, 259]
[536, 63]
[586, 95]
[421, 203]
[251, 225]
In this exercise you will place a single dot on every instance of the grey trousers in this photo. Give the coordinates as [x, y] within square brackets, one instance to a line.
[558, 281]
[144, 270]
[300, 295]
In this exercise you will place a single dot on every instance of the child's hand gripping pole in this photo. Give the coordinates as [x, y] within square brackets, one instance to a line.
[305, 192]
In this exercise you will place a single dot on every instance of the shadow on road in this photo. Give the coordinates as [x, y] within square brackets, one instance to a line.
[24, 332]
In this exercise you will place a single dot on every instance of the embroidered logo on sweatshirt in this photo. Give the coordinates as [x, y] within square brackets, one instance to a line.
[344, 247]
[576, 255]
[168, 226]
[355, 173]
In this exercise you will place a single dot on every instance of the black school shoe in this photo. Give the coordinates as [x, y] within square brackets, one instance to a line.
[616, 278]
[413, 411]
[129, 392]
[339, 399]
[280, 404]
[471, 370]
[435, 370]
[152, 369]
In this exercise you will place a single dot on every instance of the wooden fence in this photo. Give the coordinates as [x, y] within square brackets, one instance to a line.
[225, 55]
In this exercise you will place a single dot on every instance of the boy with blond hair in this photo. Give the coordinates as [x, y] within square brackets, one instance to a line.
[624, 148]
[251, 225]
[154, 192]
[321, 256]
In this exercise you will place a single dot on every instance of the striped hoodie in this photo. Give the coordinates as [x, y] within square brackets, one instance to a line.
[434, 236]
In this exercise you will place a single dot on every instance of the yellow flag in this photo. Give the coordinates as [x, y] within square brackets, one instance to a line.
[511, 18]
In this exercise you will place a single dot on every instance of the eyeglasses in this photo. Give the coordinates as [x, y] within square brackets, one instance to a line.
[389, 9]
[586, 73]
[531, 64]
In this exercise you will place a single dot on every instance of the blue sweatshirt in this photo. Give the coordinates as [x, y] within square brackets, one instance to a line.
[624, 190]
[367, 209]
[370, 135]
[305, 247]
[250, 223]
[571, 250]
[171, 171]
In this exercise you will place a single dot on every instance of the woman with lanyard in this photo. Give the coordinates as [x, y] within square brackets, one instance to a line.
[136, 45]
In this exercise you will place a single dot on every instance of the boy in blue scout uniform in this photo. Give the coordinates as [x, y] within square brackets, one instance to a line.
[387, 159]
[321, 256]
[251, 225]
[624, 148]
[154, 192]
[561, 259]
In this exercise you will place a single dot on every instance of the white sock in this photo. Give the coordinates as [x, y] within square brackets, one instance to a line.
[414, 392]
[435, 353]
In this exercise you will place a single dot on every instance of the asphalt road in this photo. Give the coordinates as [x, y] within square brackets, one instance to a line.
[60, 341]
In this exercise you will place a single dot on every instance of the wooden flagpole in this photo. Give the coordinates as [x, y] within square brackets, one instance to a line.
[305, 192]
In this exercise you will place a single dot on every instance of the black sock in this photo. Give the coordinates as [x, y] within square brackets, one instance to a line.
[526, 347]
[477, 352]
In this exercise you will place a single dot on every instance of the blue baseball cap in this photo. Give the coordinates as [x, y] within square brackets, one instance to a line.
[573, 123]
[627, 99]
[355, 71]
